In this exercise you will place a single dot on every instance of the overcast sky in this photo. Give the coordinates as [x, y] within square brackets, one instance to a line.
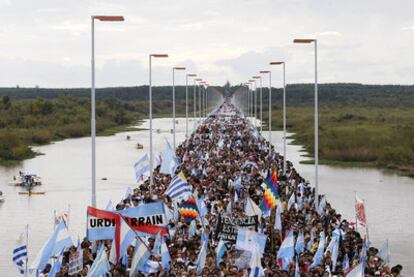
[47, 42]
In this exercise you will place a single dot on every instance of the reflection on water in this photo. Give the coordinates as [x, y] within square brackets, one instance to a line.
[65, 170]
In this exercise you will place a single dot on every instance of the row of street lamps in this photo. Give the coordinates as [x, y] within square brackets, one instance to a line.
[198, 83]
[251, 107]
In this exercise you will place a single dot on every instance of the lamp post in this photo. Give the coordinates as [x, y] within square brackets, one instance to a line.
[206, 102]
[93, 120]
[173, 93]
[195, 102]
[186, 102]
[307, 41]
[203, 99]
[284, 113]
[150, 112]
[270, 105]
[261, 102]
[254, 102]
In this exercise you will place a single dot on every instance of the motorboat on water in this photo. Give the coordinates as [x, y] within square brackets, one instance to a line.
[1, 197]
[27, 180]
[140, 146]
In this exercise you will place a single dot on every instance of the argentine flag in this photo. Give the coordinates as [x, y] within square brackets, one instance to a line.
[286, 251]
[319, 253]
[169, 162]
[142, 168]
[60, 239]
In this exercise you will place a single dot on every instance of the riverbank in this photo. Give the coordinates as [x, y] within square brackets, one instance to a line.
[354, 136]
[33, 122]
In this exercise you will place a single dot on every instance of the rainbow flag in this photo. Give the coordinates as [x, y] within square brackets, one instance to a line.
[188, 209]
[271, 193]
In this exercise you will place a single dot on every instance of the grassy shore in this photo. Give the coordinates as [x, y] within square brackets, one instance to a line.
[355, 136]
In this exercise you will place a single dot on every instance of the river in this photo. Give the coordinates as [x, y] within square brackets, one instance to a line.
[65, 171]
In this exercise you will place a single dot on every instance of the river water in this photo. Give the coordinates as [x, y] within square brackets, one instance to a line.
[65, 171]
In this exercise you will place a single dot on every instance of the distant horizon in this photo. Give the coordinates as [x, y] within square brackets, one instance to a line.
[190, 85]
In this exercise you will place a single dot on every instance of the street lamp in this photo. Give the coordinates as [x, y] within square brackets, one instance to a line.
[270, 106]
[254, 100]
[195, 101]
[186, 102]
[284, 113]
[206, 102]
[173, 93]
[202, 99]
[308, 41]
[93, 120]
[150, 114]
[261, 105]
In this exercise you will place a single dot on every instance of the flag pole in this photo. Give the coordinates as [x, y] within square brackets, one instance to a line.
[54, 219]
[68, 217]
[356, 218]
[366, 222]
[27, 250]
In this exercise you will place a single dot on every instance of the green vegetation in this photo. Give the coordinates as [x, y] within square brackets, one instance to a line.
[355, 135]
[359, 125]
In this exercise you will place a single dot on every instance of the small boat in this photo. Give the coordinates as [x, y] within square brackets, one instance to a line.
[140, 146]
[1, 197]
[104, 179]
[32, 192]
[27, 180]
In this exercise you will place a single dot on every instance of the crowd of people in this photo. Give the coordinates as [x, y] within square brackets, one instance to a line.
[226, 161]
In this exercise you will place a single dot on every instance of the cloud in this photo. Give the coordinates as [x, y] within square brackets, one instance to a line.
[408, 28]
[330, 33]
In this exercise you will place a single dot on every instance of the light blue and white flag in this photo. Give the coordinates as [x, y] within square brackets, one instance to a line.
[56, 266]
[140, 257]
[60, 239]
[220, 250]
[101, 264]
[142, 168]
[300, 243]
[179, 188]
[291, 201]
[169, 162]
[345, 264]
[192, 231]
[278, 220]
[297, 272]
[165, 256]
[286, 251]
[256, 269]
[384, 253]
[202, 206]
[109, 207]
[251, 209]
[156, 250]
[202, 257]
[237, 183]
[248, 240]
[20, 252]
[358, 271]
[319, 253]
[322, 205]
[335, 253]
[150, 267]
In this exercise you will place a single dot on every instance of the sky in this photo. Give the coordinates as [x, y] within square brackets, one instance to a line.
[47, 43]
